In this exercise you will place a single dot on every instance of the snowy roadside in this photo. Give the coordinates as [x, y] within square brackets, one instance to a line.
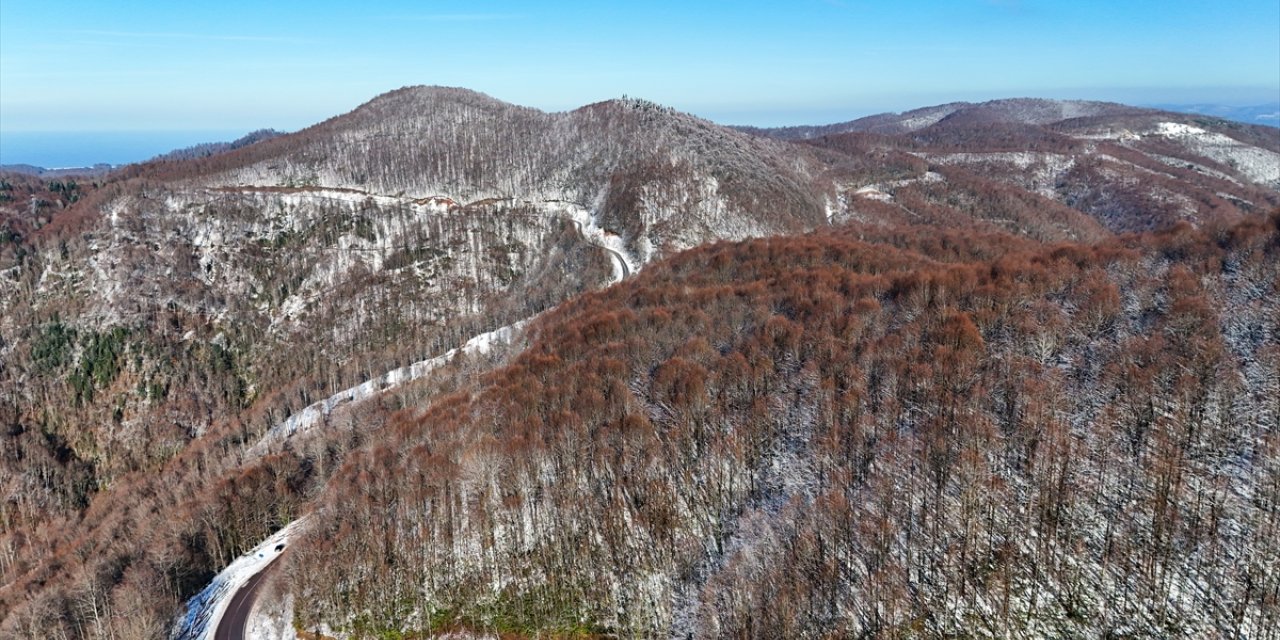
[623, 264]
[316, 413]
[205, 610]
[272, 619]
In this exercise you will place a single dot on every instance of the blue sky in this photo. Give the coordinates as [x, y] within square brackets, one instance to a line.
[236, 66]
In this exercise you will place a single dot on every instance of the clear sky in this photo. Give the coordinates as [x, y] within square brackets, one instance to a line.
[235, 65]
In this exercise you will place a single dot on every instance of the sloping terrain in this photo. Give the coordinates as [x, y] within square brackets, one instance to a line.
[941, 396]
[820, 436]
[185, 306]
[662, 179]
[1026, 111]
[1023, 166]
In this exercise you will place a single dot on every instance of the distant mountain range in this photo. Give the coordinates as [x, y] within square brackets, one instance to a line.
[41, 172]
[1264, 114]
[1003, 369]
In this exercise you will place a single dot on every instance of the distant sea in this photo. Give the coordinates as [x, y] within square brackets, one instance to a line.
[61, 149]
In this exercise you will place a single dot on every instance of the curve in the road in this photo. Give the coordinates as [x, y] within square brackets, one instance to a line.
[235, 621]
[626, 271]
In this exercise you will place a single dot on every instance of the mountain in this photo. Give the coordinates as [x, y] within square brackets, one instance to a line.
[1033, 166]
[468, 366]
[681, 178]
[41, 172]
[188, 305]
[1032, 111]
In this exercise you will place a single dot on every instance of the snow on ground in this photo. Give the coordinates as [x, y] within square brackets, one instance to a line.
[272, 619]
[1183, 163]
[873, 194]
[1122, 134]
[623, 263]
[1035, 171]
[1178, 130]
[918, 122]
[1259, 165]
[315, 413]
[205, 610]
[883, 191]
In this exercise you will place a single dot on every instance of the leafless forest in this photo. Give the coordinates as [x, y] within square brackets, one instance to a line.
[998, 370]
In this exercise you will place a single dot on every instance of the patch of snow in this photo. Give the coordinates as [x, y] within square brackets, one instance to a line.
[1194, 166]
[1259, 165]
[1177, 129]
[272, 620]
[1121, 134]
[873, 193]
[928, 119]
[883, 191]
[1035, 171]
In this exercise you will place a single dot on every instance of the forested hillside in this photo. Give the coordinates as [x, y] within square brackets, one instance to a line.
[1034, 166]
[819, 436]
[978, 370]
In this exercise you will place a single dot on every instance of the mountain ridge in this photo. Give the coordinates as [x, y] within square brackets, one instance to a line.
[786, 309]
[1038, 111]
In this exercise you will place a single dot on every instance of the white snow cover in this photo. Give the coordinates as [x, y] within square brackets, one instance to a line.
[316, 413]
[623, 264]
[873, 193]
[1259, 165]
[1122, 134]
[1038, 171]
[883, 191]
[205, 610]
[1177, 129]
[918, 122]
[272, 619]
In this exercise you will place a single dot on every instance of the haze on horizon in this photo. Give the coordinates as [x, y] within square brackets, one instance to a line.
[71, 66]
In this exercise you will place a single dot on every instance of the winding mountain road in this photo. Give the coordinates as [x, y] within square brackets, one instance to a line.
[223, 608]
[617, 255]
[626, 271]
[235, 622]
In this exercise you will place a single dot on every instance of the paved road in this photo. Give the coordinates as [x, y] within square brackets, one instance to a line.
[235, 621]
[626, 273]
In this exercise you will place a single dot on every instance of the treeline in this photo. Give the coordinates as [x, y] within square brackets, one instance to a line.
[825, 437]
